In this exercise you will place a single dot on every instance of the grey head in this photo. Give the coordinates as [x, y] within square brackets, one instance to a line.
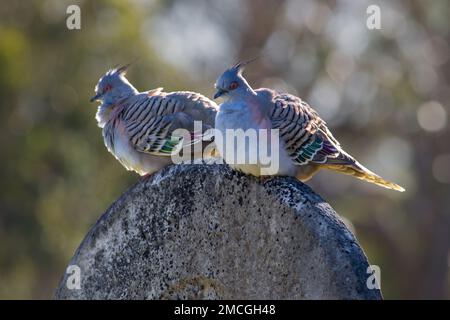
[232, 83]
[113, 86]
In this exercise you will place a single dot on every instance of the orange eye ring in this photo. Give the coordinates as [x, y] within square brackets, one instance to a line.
[233, 85]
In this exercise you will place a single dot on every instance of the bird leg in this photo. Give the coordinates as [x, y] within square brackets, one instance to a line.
[145, 177]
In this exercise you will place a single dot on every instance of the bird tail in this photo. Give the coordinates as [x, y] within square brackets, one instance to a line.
[359, 171]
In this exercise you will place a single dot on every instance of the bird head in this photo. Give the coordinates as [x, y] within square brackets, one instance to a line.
[232, 82]
[113, 86]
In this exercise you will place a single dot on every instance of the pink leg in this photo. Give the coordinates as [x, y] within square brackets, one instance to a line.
[145, 176]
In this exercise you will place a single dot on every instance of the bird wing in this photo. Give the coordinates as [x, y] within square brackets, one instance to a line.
[151, 120]
[305, 135]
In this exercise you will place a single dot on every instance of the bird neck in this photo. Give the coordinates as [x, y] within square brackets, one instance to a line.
[245, 93]
[246, 88]
[126, 90]
[250, 92]
[102, 115]
[112, 102]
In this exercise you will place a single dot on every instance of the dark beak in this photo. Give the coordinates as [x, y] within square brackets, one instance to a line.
[219, 93]
[96, 97]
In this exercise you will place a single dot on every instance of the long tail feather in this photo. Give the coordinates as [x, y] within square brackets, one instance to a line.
[359, 171]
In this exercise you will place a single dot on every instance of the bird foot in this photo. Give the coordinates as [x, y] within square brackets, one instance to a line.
[145, 176]
[263, 179]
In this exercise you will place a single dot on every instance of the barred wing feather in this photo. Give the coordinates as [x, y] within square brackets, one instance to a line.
[305, 135]
[152, 119]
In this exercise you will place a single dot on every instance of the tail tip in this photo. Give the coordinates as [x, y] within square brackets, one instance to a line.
[397, 187]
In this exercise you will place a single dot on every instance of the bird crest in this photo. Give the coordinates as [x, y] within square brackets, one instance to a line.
[120, 70]
[240, 66]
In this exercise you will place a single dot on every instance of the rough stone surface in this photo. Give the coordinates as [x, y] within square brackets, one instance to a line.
[207, 232]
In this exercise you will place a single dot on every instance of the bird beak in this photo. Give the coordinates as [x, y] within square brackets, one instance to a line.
[219, 93]
[96, 97]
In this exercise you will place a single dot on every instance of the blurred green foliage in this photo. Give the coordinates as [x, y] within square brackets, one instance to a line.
[383, 92]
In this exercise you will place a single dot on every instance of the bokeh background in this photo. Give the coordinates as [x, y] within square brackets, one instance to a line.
[385, 93]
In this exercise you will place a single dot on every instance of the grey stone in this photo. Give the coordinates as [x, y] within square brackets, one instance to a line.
[207, 232]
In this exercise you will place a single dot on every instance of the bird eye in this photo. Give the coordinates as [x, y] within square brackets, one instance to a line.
[233, 85]
[107, 88]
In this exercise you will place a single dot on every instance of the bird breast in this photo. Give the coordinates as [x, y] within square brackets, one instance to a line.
[118, 143]
[248, 150]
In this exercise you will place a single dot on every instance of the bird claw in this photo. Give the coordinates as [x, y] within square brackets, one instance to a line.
[145, 176]
[263, 179]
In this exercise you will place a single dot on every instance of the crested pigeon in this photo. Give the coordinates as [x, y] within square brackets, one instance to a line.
[139, 127]
[305, 144]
